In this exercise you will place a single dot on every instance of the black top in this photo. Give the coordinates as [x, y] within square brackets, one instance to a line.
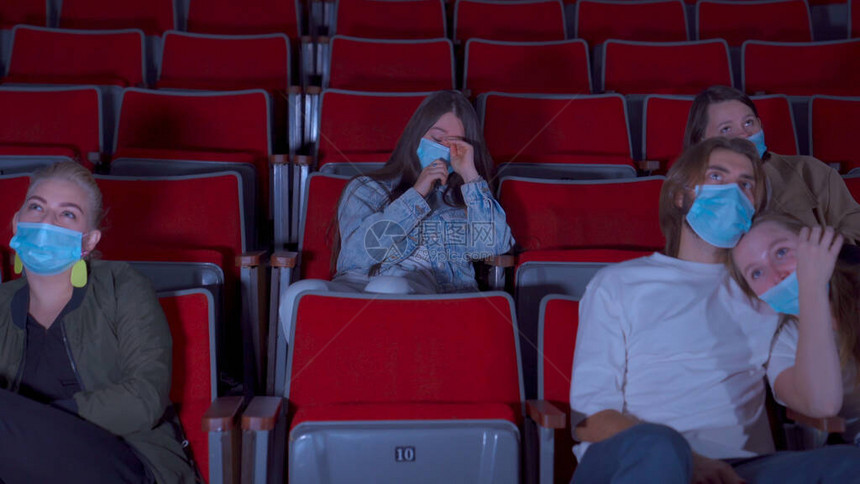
[48, 376]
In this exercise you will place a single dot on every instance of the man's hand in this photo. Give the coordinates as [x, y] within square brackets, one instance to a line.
[712, 471]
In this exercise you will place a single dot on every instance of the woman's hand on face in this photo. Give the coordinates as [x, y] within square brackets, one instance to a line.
[817, 250]
[462, 158]
[437, 170]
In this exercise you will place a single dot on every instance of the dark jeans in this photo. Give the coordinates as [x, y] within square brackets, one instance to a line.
[659, 454]
[42, 444]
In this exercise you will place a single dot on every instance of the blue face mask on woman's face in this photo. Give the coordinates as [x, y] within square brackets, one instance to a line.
[758, 140]
[430, 151]
[783, 297]
[721, 214]
[46, 249]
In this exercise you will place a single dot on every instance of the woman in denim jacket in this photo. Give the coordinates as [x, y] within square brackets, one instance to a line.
[416, 225]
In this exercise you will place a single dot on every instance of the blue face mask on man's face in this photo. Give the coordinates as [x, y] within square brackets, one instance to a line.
[758, 140]
[721, 214]
[46, 249]
[430, 151]
[784, 297]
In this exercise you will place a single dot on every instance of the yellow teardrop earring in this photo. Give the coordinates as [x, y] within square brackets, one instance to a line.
[79, 274]
[19, 265]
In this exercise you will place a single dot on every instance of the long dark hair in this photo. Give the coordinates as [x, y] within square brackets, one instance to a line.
[404, 166]
[697, 121]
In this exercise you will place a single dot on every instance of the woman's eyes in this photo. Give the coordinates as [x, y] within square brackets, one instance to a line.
[746, 185]
[755, 274]
[781, 252]
[748, 122]
[70, 215]
[725, 129]
[34, 206]
[715, 176]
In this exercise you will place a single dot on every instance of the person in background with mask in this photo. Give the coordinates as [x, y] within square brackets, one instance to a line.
[802, 273]
[668, 371]
[85, 351]
[801, 186]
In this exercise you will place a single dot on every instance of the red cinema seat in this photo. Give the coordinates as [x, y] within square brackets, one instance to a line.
[244, 18]
[391, 19]
[153, 17]
[43, 125]
[26, 12]
[664, 67]
[389, 65]
[834, 122]
[665, 121]
[802, 69]
[646, 21]
[527, 67]
[737, 22]
[853, 184]
[511, 21]
[558, 136]
[53, 56]
[14, 189]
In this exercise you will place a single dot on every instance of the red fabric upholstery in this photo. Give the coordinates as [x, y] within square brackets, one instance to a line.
[350, 350]
[48, 56]
[509, 21]
[405, 411]
[407, 19]
[555, 67]
[246, 17]
[351, 129]
[679, 68]
[853, 184]
[654, 21]
[225, 63]
[666, 121]
[191, 390]
[14, 189]
[561, 321]
[393, 66]
[736, 22]
[320, 225]
[23, 12]
[559, 215]
[151, 16]
[528, 129]
[831, 68]
[60, 122]
[835, 123]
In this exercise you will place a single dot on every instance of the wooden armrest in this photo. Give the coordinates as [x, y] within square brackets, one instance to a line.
[323, 39]
[306, 39]
[262, 413]
[649, 165]
[294, 90]
[304, 160]
[828, 425]
[504, 260]
[251, 259]
[279, 159]
[221, 415]
[284, 259]
[546, 414]
[313, 90]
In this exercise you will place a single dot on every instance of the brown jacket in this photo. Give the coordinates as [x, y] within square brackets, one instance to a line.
[813, 192]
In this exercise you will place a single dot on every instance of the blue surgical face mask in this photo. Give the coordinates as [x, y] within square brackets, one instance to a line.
[430, 151]
[721, 214]
[46, 249]
[758, 140]
[783, 297]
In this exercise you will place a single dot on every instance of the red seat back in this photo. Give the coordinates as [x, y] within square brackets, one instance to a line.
[198, 61]
[559, 322]
[391, 65]
[51, 56]
[404, 350]
[246, 17]
[559, 215]
[737, 22]
[665, 68]
[151, 16]
[51, 121]
[346, 136]
[190, 316]
[529, 21]
[14, 189]
[854, 18]
[834, 123]
[319, 225]
[853, 184]
[556, 129]
[649, 21]
[544, 67]
[802, 69]
[23, 12]
[385, 19]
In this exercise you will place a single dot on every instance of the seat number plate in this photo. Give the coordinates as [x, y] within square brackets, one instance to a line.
[404, 454]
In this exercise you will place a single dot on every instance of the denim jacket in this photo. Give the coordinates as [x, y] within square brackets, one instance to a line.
[446, 238]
